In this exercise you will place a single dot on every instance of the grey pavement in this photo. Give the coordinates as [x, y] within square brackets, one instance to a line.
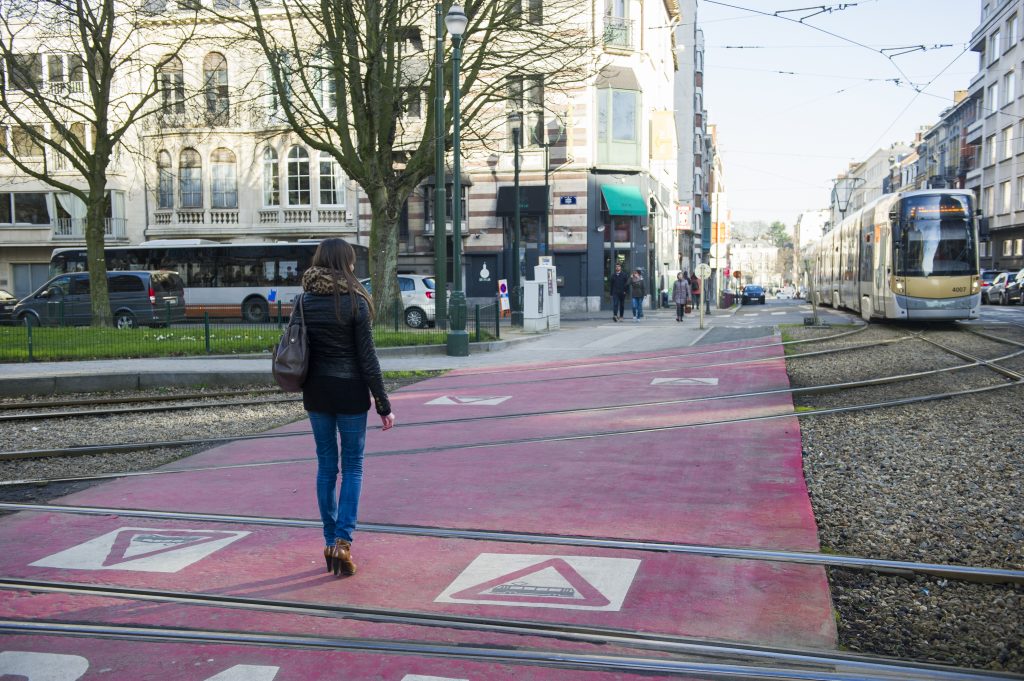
[581, 336]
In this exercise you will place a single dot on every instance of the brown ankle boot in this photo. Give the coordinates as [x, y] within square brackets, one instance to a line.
[342, 555]
[329, 558]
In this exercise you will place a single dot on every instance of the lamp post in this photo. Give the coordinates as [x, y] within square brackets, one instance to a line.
[515, 119]
[440, 232]
[458, 339]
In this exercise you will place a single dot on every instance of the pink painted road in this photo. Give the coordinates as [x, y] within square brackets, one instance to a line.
[631, 448]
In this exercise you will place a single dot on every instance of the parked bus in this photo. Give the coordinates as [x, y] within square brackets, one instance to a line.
[228, 280]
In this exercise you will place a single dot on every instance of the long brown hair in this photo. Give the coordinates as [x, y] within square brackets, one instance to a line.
[337, 255]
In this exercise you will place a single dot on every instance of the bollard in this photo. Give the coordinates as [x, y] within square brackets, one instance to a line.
[476, 321]
[206, 327]
[28, 325]
[497, 321]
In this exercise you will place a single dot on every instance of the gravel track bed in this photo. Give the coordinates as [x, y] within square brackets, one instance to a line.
[950, 381]
[883, 360]
[936, 482]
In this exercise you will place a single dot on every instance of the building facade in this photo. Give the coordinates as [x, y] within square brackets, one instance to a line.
[598, 167]
[691, 130]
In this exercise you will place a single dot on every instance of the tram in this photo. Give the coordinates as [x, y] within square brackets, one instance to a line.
[909, 255]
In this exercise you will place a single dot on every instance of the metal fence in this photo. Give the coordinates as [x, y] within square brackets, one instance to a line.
[207, 334]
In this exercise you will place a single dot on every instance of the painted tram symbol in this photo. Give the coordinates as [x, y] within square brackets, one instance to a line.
[522, 589]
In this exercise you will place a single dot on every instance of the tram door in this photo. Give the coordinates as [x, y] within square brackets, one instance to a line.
[865, 280]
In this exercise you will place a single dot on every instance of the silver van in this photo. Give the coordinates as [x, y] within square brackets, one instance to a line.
[146, 298]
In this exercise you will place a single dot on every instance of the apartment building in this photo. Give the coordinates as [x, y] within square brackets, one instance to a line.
[598, 164]
[692, 131]
[997, 178]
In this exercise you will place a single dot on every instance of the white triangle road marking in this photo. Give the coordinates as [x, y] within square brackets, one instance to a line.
[474, 400]
[685, 381]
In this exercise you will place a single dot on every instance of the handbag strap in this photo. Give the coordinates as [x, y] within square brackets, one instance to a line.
[302, 313]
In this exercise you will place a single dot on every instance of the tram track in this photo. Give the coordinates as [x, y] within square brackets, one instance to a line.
[967, 573]
[711, 656]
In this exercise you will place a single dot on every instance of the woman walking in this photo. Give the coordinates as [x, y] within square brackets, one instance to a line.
[681, 295]
[343, 372]
[638, 291]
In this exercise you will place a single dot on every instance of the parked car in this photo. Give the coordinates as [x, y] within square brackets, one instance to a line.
[753, 293]
[7, 304]
[786, 293]
[149, 298]
[417, 298]
[1012, 291]
[996, 292]
[986, 278]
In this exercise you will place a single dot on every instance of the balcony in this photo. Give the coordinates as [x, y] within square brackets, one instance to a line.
[220, 223]
[618, 33]
[195, 115]
[428, 228]
[73, 229]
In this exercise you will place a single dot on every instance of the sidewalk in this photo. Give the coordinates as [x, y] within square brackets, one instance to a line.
[582, 335]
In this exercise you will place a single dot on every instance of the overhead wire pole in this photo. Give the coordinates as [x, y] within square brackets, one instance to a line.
[440, 229]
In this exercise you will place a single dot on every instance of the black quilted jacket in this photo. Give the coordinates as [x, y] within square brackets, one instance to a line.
[342, 348]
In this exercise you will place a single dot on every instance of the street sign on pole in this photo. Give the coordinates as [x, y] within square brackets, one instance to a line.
[703, 271]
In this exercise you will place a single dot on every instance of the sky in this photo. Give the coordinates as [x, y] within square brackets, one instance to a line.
[783, 137]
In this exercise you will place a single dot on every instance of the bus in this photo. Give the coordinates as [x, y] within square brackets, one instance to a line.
[911, 255]
[229, 280]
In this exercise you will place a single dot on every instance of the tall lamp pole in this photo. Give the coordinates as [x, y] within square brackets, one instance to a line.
[440, 232]
[458, 339]
[516, 120]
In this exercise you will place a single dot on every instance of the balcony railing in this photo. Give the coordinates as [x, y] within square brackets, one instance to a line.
[618, 32]
[198, 115]
[74, 228]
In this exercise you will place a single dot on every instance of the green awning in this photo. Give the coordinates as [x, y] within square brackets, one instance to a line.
[624, 200]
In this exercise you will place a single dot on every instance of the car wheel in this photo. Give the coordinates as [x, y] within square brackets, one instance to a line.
[1004, 299]
[984, 298]
[28, 318]
[762, 300]
[124, 320]
[254, 311]
[416, 318]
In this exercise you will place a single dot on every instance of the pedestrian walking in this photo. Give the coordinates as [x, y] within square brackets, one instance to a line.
[343, 373]
[619, 285]
[695, 290]
[681, 295]
[638, 291]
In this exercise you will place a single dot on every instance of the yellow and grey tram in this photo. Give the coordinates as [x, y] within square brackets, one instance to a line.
[910, 255]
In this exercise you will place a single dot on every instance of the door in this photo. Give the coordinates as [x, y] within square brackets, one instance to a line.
[78, 303]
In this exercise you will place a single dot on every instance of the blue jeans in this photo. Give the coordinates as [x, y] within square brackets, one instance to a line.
[338, 513]
[638, 308]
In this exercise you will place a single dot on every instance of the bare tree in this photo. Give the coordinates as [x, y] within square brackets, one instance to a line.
[76, 85]
[345, 72]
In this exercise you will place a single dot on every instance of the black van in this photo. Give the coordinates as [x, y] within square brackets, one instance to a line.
[149, 298]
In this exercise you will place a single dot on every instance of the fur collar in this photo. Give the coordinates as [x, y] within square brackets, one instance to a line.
[322, 281]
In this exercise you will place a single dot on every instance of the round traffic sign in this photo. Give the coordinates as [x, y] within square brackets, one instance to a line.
[703, 270]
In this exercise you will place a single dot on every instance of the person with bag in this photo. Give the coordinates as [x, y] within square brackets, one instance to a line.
[343, 372]
[695, 289]
[618, 285]
[681, 295]
[638, 291]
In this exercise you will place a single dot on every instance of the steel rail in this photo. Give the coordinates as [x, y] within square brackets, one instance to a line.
[518, 656]
[899, 567]
[669, 643]
[37, 416]
[94, 449]
[46, 404]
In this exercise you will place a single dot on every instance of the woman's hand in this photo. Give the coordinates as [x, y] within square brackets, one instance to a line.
[387, 421]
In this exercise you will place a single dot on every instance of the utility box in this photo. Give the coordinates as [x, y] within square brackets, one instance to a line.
[541, 302]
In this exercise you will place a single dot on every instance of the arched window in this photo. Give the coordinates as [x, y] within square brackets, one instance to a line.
[171, 79]
[215, 86]
[223, 182]
[190, 179]
[298, 177]
[332, 181]
[271, 178]
[165, 182]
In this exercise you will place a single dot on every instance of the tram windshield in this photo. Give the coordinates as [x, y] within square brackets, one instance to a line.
[935, 236]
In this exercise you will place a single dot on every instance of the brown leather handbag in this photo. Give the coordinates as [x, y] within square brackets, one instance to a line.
[291, 356]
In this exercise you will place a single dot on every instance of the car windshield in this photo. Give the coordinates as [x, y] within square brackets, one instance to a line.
[428, 282]
[935, 236]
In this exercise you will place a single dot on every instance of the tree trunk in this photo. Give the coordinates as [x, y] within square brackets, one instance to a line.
[95, 239]
[385, 208]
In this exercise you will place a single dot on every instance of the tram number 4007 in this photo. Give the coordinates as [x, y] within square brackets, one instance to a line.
[959, 289]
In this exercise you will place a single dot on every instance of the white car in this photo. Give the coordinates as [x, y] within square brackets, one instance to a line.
[417, 297]
[786, 293]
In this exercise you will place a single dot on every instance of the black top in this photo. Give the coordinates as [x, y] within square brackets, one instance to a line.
[619, 283]
[343, 366]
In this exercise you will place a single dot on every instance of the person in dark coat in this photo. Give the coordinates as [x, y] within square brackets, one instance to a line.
[619, 286]
[343, 374]
[638, 291]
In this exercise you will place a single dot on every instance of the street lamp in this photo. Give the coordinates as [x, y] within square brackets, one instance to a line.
[458, 339]
[515, 120]
[440, 231]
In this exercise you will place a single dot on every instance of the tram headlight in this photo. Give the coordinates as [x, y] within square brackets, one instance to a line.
[974, 286]
[899, 287]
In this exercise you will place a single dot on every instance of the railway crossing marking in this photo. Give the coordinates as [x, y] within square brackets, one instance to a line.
[142, 549]
[568, 582]
[42, 666]
[486, 401]
[685, 381]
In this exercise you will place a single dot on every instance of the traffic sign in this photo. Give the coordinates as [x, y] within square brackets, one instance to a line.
[703, 270]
